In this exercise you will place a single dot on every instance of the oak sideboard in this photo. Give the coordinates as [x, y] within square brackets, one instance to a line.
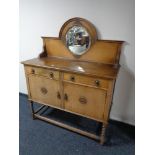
[75, 73]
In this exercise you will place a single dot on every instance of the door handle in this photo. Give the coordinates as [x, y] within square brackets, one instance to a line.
[58, 95]
[65, 97]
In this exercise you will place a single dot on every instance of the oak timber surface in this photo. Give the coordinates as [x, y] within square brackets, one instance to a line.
[82, 67]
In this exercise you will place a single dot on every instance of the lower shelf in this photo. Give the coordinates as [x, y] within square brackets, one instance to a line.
[67, 127]
[78, 124]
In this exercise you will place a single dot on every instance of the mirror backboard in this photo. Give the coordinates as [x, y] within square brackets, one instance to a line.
[78, 40]
[78, 35]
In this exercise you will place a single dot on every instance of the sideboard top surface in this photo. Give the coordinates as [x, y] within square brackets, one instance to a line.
[76, 66]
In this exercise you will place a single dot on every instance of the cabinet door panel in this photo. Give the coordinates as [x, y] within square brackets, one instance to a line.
[85, 100]
[44, 90]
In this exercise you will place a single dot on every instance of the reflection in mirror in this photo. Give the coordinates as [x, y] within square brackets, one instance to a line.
[78, 40]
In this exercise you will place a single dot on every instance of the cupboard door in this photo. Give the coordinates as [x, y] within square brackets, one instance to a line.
[44, 90]
[84, 100]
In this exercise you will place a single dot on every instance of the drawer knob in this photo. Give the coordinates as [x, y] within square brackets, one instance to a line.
[51, 75]
[97, 82]
[32, 71]
[72, 78]
[58, 95]
[83, 100]
[44, 90]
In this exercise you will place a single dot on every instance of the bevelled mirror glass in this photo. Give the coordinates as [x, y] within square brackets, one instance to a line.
[78, 40]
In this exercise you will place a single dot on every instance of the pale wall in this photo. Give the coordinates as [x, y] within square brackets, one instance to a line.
[113, 19]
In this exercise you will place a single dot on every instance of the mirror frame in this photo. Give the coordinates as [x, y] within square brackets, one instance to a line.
[78, 22]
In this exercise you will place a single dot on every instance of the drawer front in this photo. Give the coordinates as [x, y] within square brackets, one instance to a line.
[91, 81]
[42, 72]
[44, 90]
[83, 100]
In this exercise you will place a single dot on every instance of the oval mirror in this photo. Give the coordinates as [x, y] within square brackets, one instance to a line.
[78, 40]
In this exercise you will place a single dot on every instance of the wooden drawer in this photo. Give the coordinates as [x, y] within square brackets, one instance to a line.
[85, 100]
[42, 72]
[91, 81]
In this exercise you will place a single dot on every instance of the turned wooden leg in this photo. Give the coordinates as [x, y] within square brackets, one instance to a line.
[102, 136]
[32, 109]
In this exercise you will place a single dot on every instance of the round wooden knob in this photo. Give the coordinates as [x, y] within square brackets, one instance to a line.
[32, 71]
[72, 78]
[51, 75]
[97, 82]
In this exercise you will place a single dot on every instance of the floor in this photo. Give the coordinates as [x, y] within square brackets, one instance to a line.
[40, 138]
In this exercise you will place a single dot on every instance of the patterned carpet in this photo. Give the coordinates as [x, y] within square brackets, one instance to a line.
[40, 138]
